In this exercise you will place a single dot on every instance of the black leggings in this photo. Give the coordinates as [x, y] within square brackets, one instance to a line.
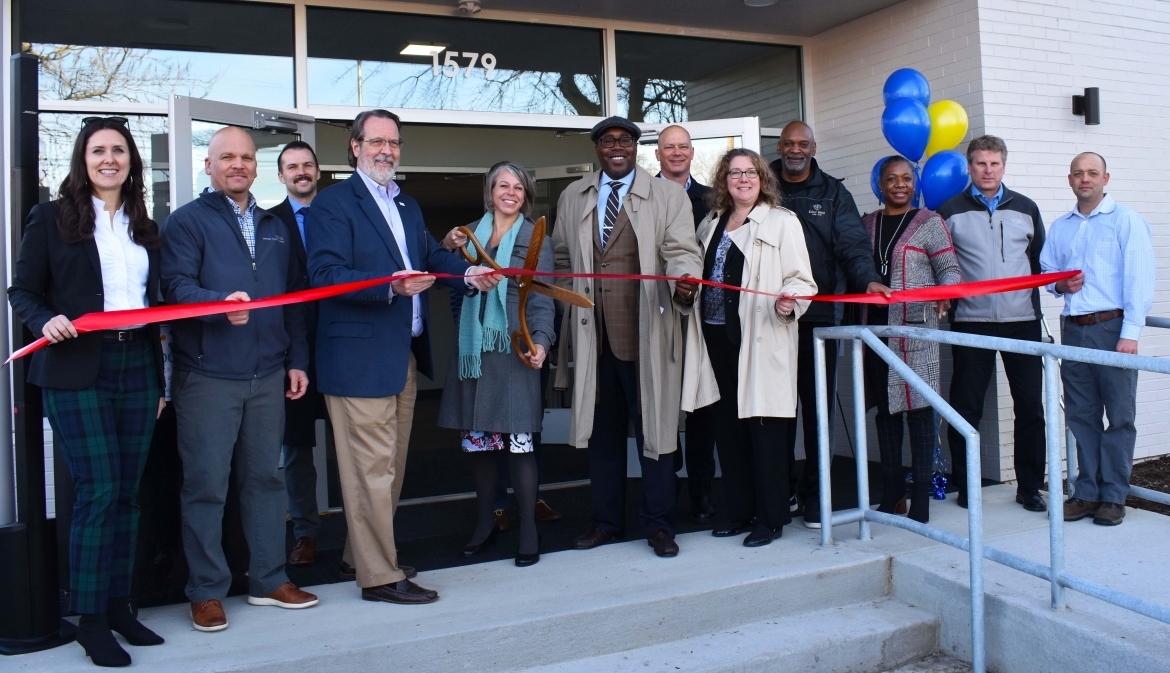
[752, 451]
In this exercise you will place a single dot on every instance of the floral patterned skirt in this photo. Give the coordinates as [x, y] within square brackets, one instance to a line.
[515, 442]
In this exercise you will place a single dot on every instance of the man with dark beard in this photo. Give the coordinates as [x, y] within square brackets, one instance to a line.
[836, 241]
[298, 171]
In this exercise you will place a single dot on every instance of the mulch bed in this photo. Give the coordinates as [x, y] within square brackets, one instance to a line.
[1154, 475]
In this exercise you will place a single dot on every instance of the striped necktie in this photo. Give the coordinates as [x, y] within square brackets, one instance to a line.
[611, 210]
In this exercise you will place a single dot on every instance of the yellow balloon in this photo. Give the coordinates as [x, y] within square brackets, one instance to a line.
[948, 125]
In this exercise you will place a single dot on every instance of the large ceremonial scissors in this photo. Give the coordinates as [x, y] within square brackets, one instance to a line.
[525, 284]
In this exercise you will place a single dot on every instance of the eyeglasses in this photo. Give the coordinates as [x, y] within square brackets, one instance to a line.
[377, 144]
[609, 142]
[736, 174]
[121, 121]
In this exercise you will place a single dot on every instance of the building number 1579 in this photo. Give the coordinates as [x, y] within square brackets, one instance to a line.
[450, 67]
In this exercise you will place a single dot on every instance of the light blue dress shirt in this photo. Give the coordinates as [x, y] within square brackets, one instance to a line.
[385, 198]
[603, 190]
[296, 208]
[991, 203]
[1112, 246]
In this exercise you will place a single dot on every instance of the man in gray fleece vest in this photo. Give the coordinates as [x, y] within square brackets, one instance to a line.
[997, 233]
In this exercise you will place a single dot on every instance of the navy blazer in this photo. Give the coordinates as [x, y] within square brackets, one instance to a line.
[54, 278]
[363, 338]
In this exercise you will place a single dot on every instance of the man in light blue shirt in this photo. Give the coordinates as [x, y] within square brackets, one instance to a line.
[1105, 307]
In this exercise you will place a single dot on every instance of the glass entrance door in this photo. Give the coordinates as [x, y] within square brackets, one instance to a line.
[194, 120]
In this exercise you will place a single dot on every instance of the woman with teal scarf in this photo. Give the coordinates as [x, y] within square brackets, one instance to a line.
[490, 394]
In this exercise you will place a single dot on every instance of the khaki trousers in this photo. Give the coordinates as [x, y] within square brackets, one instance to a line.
[371, 435]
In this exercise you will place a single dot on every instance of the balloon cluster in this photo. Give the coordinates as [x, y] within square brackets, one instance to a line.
[916, 129]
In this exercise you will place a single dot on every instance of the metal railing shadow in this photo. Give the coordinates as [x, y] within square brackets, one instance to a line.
[1054, 572]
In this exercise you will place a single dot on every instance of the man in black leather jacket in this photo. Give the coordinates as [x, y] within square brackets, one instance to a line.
[842, 260]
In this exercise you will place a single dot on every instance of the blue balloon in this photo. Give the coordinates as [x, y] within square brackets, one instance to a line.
[944, 175]
[906, 126]
[875, 182]
[906, 83]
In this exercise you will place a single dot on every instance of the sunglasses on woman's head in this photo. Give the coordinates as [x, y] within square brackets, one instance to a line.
[121, 121]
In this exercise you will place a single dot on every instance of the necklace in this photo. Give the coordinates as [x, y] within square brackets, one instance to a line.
[885, 258]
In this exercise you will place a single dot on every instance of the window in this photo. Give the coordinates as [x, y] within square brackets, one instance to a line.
[665, 79]
[143, 51]
[410, 61]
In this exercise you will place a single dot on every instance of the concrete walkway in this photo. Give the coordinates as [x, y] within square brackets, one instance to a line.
[578, 605]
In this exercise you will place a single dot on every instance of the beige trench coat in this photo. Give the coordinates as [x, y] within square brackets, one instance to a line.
[776, 260]
[660, 214]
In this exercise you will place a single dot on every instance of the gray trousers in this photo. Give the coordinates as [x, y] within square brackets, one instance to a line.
[1104, 455]
[224, 422]
[300, 479]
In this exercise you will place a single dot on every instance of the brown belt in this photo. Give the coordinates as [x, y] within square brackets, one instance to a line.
[1094, 318]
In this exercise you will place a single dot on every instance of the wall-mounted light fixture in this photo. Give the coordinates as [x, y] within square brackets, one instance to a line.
[1088, 105]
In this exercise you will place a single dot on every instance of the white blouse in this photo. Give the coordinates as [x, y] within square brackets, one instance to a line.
[125, 264]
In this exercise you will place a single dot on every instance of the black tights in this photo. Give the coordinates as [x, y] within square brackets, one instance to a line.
[522, 469]
[923, 437]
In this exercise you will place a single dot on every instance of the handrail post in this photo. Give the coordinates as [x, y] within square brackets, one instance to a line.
[824, 452]
[975, 536]
[861, 450]
[1055, 487]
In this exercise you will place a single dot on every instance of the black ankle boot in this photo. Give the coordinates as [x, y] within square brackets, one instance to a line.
[920, 503]
[120, 617]
[93, 633]
[893, 492]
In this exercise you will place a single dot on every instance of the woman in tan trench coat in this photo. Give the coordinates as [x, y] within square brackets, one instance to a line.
[741, 347]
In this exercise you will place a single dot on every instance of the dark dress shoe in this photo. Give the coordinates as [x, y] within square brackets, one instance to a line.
[762, 535]
[1033, 502]
[403, 593]
[594, 537]
[702, 511]
[525, 560]
[731, 529]
[961, 501]
[474, 549]
[93, 634]
[663, 543]
[122, 619]
[348, 573]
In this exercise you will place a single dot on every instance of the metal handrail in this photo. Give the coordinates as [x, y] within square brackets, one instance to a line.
[973, 543]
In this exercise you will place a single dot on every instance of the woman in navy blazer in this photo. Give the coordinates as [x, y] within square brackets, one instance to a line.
[95, 250]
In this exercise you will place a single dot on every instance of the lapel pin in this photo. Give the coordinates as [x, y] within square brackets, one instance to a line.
[402, 204]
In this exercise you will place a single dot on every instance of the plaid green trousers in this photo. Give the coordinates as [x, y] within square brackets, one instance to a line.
[104, 434]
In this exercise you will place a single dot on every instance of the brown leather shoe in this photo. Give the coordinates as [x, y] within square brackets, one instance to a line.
[546, 513]
[348, 573]
[208, 616]
[664, 545]
[287, 596]
[303, 552]
[402, 593]
[501, 519]
[594, 537]
[1109, 514]
[1076, 509]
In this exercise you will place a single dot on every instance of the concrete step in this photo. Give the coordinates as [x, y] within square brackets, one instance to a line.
[497, 617]
[859, 638]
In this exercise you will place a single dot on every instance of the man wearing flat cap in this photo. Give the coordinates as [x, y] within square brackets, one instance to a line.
[627, 349]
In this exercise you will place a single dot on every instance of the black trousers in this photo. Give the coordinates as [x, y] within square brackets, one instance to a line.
[808, 485]
[752, 451]
[973, 371]
[617, 407]
[700, 452]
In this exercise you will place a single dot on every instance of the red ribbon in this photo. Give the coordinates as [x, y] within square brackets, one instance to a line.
[106, 320]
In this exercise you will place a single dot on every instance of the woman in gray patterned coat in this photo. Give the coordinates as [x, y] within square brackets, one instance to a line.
[911, 249]
[503, 413]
